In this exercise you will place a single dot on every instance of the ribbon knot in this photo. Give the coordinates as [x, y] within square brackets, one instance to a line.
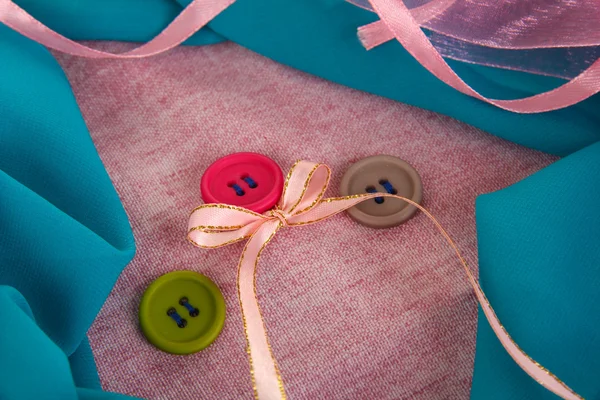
[277, 213]
[302, 203]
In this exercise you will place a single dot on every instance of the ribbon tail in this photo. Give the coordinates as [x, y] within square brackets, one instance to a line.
[377, 33]
[374, 34]
[329, 207]
[266, 379]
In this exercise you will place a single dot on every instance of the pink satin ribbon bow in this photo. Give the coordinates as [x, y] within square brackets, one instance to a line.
[302, 203]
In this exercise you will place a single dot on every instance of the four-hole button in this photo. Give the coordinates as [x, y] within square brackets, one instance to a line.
[248, 180]
[382, 174]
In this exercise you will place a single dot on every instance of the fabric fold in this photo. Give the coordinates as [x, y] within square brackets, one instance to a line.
[65, 236]
[539, 261]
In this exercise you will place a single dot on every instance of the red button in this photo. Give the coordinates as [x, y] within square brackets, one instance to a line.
[248, 180]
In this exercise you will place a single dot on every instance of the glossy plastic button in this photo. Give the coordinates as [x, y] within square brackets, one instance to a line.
[385, 174]
[182, 312]
[248, 180]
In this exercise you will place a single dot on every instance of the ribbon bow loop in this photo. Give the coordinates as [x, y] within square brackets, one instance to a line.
[304, 188]
[216, 225]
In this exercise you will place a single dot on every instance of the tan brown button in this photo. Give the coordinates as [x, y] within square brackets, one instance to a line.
[384, 174]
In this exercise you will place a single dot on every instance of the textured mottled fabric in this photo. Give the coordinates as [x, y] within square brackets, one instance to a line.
[352, 313]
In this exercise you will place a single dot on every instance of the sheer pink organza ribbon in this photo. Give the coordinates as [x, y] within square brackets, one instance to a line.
[197, 14]
[398, 22]
[508, 24]
[302, 203]
[553, 38]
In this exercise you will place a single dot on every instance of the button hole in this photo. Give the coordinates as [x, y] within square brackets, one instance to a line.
[251, 182]
[388, 186]
[181, 322]
[193, 311]
[238, 190]
[371, 189]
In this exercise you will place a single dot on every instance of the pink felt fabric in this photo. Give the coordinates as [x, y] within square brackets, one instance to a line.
[352, 313]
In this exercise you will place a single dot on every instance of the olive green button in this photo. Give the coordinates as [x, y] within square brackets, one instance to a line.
[182, 312]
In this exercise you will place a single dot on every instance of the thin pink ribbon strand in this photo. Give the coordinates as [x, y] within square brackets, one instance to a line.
[394, 15]
[376, 33]
[302, 203]
[422, 14]
[197, 14]
[508, 24]
[399, 22]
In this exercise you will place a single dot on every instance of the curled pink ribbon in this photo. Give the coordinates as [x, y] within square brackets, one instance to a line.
[197, 14]
[397, 22]
[302, 203]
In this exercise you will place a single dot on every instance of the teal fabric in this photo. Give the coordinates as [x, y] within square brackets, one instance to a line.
[64, 234]
[539, 262]
[65, 237]
[34, 367]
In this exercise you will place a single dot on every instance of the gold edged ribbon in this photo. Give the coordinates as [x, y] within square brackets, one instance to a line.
[302, 203]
